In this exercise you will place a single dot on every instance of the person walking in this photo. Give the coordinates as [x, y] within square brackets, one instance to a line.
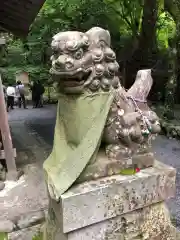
[36, 93]
[42, 90]
[20, 92]
[10, 92]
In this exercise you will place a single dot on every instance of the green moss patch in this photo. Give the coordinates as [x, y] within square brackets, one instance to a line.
[3, 236]
[38, 236]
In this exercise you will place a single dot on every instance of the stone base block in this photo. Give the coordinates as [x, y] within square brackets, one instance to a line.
[149, 223]
[115, 208]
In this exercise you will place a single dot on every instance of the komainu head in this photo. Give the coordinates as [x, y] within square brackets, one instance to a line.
[84, 61]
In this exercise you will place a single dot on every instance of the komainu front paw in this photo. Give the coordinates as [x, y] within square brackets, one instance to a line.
[120, 153]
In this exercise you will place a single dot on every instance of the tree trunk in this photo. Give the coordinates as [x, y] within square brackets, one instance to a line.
[146, 43]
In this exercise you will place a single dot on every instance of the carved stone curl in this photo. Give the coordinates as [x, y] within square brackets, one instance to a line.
[86, 71]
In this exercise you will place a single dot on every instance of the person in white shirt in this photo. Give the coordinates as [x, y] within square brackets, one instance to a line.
[10, 92]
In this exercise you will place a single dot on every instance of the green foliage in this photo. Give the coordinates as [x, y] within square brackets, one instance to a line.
[36, 72]
[166, 28]
[129, 14]
[38, 236]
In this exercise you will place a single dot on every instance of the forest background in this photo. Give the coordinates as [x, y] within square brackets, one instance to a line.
[145, 34]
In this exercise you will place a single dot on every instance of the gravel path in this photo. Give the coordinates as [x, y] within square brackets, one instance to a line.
[168, 151]
[42, 121]
[29, 193]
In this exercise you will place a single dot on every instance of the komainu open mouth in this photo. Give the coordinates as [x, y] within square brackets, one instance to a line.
[72, 79]
[56, 71]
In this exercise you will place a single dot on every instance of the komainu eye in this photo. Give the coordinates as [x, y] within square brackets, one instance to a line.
[72, 45]
[55, 51]
[79, 54]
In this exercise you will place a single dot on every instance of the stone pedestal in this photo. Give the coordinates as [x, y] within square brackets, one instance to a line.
[115, 208]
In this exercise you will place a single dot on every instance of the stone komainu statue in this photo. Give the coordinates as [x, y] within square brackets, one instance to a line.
[101, 128]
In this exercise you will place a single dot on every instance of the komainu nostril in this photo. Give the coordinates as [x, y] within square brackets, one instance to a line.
[58, 64]
[69, 63]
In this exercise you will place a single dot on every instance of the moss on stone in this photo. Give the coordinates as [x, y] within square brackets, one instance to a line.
[3, 236]
[38, 236]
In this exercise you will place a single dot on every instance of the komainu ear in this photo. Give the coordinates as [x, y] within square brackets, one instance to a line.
[142, 85]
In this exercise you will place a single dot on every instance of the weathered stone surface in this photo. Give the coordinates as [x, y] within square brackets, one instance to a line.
[6, 226]
[2, 185]
[2, 174]
[1, 166]
[30, 219]
[103, 168]
[25, 234]
[99, 200]
[149, 223]
[143, 160]
[178, 235]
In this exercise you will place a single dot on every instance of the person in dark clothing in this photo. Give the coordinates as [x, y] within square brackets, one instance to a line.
[36, 93]
[10, 102]
[20, 92]
[42, 90]
[33, 90]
